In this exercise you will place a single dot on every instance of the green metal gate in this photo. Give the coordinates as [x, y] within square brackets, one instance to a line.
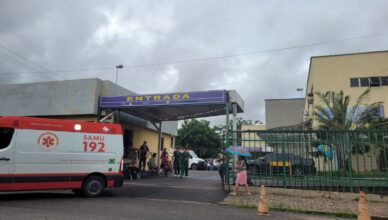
[321, 160]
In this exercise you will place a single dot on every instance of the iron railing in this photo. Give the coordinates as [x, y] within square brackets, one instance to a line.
[324, 160]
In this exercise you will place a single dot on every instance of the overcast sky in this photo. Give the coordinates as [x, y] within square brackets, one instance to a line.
[95, 36]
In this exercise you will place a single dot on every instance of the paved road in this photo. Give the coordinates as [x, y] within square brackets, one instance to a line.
[195, 197]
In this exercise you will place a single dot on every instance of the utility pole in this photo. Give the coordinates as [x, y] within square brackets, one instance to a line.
[117, 70]
[301, 91]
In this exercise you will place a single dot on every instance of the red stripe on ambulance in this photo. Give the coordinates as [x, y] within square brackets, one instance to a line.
[59, 125]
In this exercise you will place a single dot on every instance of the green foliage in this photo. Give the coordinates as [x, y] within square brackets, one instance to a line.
[334, 114]
[198, 136]
[379, 124]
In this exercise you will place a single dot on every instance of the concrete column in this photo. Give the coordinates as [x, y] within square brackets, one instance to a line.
[159, 144]
[234, 109]
[173, 143]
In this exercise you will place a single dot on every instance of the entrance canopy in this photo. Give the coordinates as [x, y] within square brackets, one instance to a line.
[174, 106]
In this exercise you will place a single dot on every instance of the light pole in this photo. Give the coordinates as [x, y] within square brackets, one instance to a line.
[117, 70]
[301, 91]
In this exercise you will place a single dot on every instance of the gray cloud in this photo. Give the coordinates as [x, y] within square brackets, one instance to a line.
[66, 35]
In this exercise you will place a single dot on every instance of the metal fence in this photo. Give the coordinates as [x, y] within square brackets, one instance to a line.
[323, 160]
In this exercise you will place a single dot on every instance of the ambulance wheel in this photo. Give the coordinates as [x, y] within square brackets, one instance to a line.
[93, 186]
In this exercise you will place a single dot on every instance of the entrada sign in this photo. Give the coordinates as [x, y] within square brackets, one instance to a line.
[159, 97]
[178, 98]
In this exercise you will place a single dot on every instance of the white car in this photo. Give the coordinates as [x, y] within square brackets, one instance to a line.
[194, 160]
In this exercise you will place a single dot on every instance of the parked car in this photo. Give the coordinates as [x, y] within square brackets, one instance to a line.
[273, 164]
[202, 165]
[195, 162]
[212, 163]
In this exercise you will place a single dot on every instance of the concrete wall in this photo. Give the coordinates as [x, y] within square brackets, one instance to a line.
[361, 163]
[333, 73]
[283, 112]
[49, 98]
[76, 99]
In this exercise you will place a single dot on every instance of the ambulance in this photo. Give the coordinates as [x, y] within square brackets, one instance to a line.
[43, 154]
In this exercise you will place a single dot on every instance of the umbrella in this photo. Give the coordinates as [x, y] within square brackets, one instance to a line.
[238, 150]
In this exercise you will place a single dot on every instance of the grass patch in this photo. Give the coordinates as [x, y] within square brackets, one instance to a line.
[281, 209]
[336, 214]
[248, 206]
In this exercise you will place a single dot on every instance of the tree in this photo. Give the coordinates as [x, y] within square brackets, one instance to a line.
[335, 113]
[198, 136]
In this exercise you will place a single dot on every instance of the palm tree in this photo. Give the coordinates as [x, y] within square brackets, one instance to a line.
[336, 114]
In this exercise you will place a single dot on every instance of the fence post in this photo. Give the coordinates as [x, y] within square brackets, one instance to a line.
[227, 144]
[350, 167]
[284, 161]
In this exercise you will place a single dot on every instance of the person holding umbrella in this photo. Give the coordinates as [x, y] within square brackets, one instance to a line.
[242, 177]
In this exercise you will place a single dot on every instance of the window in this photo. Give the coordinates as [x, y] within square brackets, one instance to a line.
[384, 80]
[276, 157]
[354, 82]
[5, 137]
[364, 82]
[374, 81]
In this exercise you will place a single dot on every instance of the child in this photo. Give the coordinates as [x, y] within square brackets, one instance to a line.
[241, 178]
[165, 162]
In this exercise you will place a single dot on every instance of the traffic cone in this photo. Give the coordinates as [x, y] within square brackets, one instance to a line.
[363, 211]
[262, 208]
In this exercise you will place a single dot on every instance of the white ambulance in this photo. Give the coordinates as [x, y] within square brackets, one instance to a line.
[41, 154]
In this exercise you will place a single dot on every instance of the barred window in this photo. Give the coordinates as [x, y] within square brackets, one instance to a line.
[354, 82]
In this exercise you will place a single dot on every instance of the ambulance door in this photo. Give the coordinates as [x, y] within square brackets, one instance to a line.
[7, 149]
[42, 159]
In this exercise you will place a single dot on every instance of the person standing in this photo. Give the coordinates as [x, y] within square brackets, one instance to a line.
[143, 151]
[165, 163]
[221, 170]
[177, 156]
[184, 165]
[164, 151]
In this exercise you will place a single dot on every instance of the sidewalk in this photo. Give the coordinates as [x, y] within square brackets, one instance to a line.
[312, 201]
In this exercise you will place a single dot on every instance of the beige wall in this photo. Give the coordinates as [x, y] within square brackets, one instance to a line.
[334, 73]
[251, 139]
[141, 134]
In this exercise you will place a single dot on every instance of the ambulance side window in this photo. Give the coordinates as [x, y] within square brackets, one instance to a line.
[5, 137]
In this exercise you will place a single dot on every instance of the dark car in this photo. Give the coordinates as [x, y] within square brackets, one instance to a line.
[275, 162]
[201, 165]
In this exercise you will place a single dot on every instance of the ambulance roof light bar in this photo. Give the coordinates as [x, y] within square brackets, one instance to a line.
[77, 127]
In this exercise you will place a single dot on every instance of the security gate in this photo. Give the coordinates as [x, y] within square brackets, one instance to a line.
[322, 160]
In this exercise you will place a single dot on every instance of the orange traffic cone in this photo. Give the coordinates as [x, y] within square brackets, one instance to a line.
[262, 208]
[363, 211]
